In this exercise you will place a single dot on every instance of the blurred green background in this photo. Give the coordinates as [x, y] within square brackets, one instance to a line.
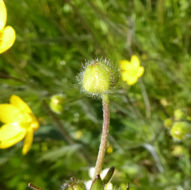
[55, 39]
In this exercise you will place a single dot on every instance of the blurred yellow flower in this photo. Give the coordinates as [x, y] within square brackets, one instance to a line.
[131, 71]
[18, 123]
[109, 149]
[178, 150]
[78, 134]
[7, 33]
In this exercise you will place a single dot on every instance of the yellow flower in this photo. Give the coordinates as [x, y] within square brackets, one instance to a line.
[109, 150]
[131, 71]
[78, 134]
[18, 123]
[7, 33]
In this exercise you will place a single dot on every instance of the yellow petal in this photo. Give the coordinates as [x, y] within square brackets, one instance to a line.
[7, 38]
[124, 75]
[11, 134]
[20, 104]
[124, 64]
[28, 141]
[130, 68]
[35, 123]
[130, 80]
[140, 71]
[9, 113]
[3, 14]
[135, 61]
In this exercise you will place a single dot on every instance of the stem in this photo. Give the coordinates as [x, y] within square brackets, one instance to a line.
[105, 131]
[30, 185]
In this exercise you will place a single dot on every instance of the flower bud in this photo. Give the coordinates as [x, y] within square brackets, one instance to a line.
[178, 114]
[57, 103]
[168, 123]
[97, 184]
[178, 150]
[96, 78]
[179, 130]
[75, 186]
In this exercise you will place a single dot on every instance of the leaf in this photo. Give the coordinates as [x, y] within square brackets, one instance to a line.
[63, 151]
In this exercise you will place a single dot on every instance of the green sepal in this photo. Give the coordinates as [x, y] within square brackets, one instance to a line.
[109, 175]
[97, 184]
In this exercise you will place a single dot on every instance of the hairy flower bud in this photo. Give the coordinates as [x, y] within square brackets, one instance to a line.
[168, 123]
[96, 78]
[178, 114]
[57, 103]
[179, 130]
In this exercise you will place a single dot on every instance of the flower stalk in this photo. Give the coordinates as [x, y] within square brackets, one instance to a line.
[104, 136]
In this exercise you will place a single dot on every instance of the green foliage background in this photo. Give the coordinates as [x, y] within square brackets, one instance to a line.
[55, 38]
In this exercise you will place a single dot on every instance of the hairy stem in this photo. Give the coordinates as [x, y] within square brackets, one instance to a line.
[105, 131]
